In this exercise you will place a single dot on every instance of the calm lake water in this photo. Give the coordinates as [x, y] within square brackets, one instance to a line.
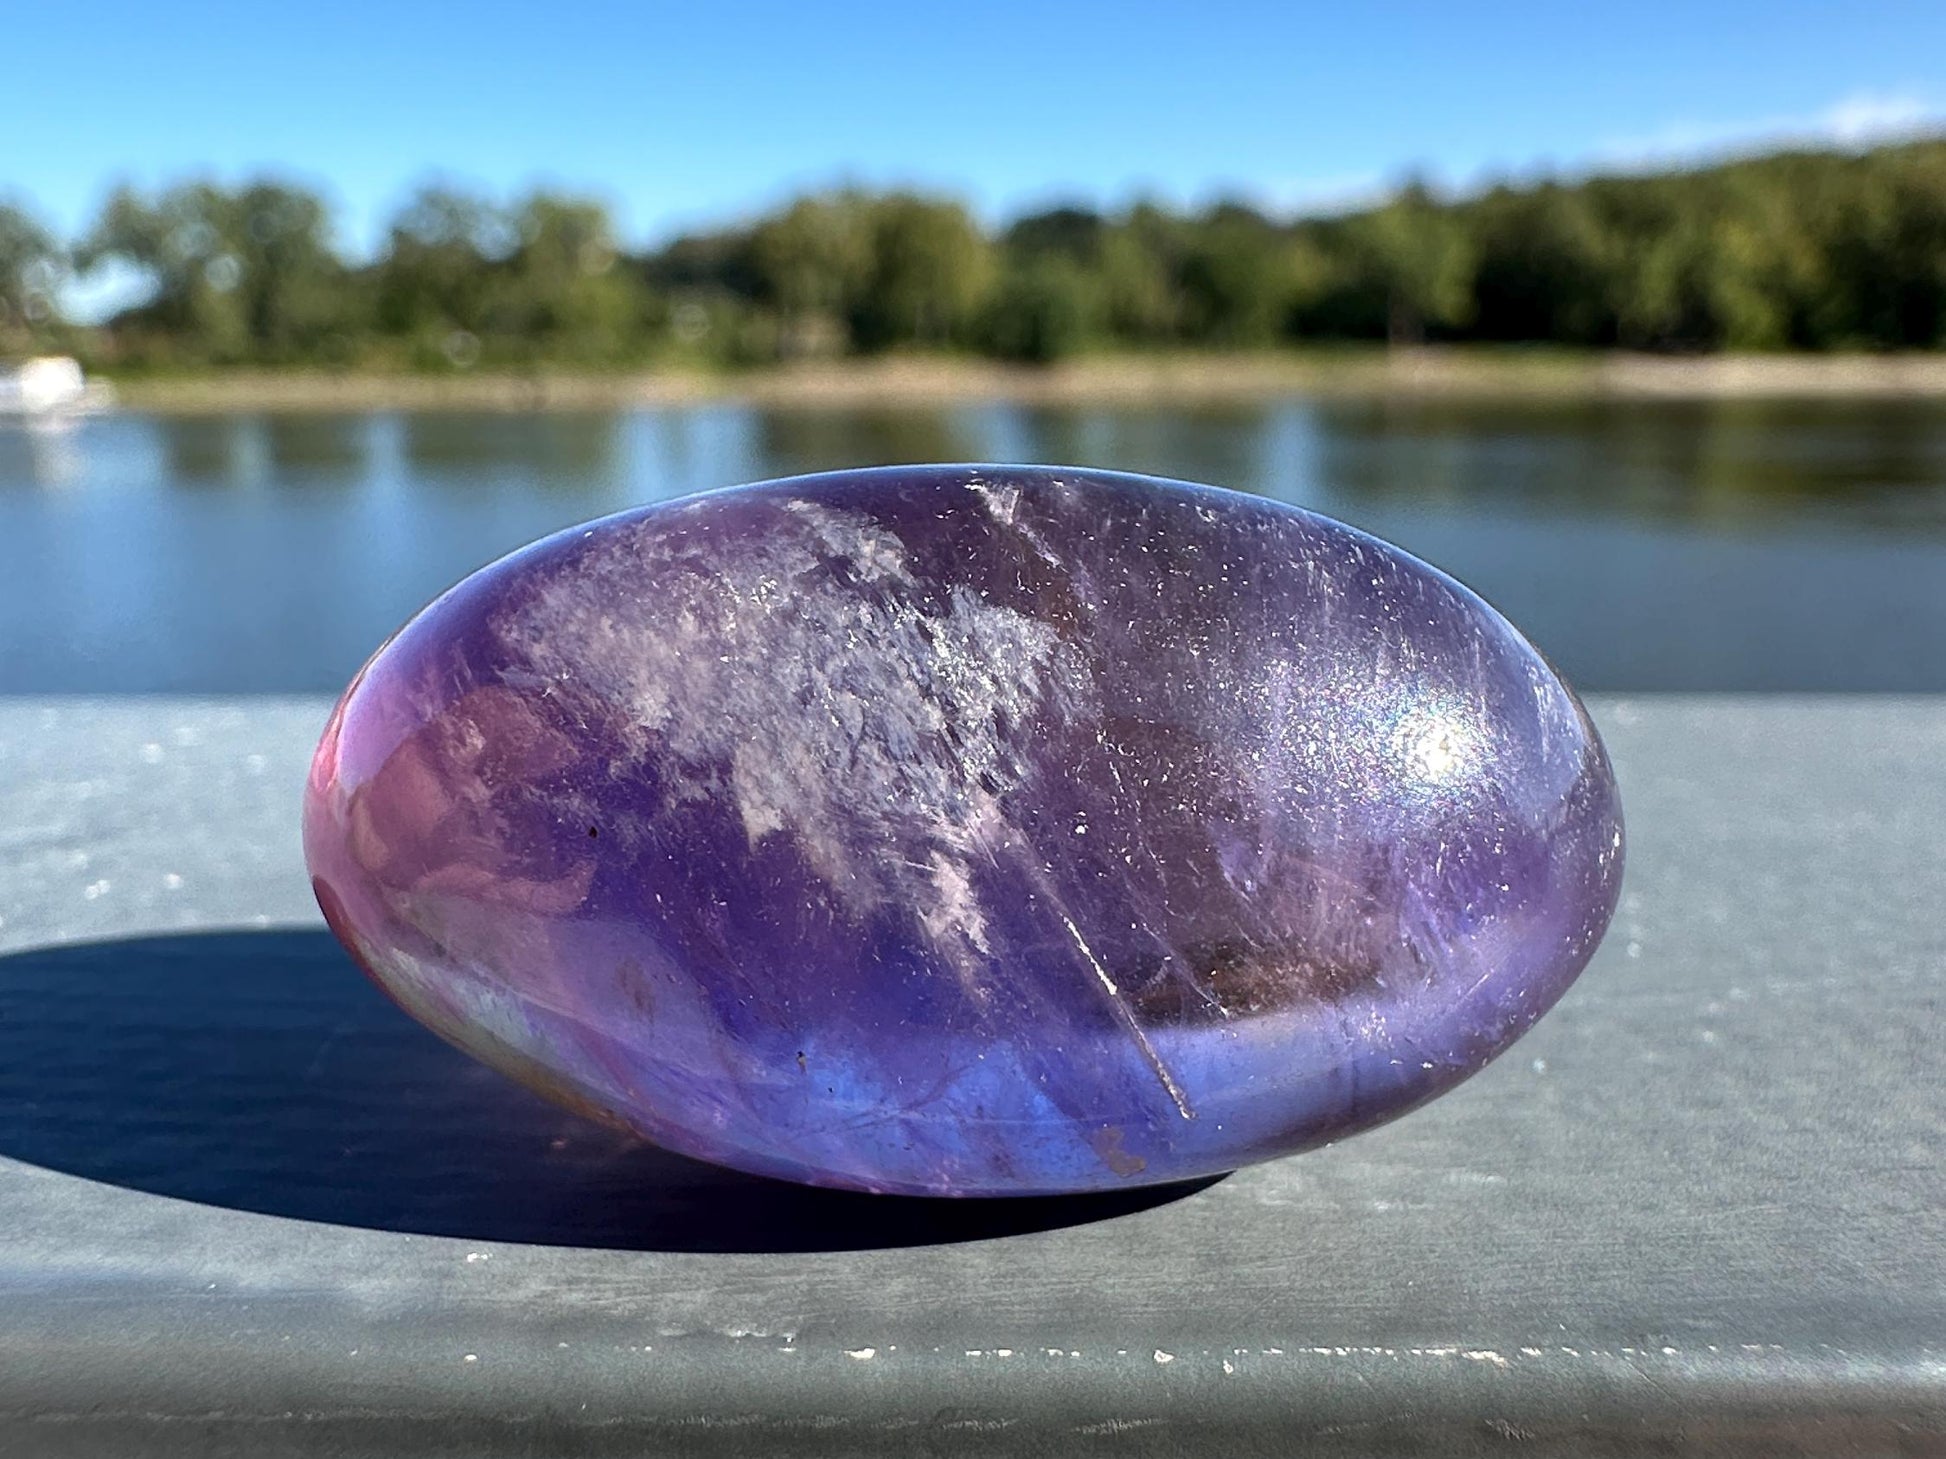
[1685, 545]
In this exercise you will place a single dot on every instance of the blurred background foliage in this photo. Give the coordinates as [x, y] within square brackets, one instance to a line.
[1799, 250]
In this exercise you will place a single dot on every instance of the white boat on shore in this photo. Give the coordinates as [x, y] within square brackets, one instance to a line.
[49, 388]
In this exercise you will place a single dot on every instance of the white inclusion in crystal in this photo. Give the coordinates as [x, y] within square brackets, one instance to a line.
[1001, 500]
[957, 908]
[850, 711]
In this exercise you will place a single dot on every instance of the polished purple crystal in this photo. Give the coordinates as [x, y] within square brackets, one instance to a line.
[968, 830]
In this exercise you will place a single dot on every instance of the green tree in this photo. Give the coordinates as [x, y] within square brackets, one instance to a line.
[1423, 258]
[1069, 232]
[291, 285]
[930, 270]
[32, 265]
[1803, 249]
[562, 294]
[1761, 268]
[1885, 243]
[1140, 260]
[237, 275]
[812, 263]
[1048, 300]
[1662, 285]
[1545, 266]
[1237, 278]
[1043, 309]
[439, 274]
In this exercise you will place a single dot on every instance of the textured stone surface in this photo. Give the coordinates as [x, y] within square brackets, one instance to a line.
[968, 830]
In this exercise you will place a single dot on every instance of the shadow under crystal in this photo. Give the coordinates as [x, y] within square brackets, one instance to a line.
[260, 1071]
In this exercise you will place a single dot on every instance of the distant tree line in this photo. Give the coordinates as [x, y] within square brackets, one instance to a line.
[1798, 250]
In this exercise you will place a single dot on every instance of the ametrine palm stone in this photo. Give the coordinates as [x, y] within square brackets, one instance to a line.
[968, 830]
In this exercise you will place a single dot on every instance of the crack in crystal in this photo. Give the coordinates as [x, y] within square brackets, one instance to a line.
[1162, 1074]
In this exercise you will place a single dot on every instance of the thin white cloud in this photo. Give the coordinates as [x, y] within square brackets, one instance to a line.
[1859, 120]
[1862, 119]
[1336, 193]
[1871, 117]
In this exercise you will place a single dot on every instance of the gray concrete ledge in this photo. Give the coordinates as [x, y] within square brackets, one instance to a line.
[245, 1208]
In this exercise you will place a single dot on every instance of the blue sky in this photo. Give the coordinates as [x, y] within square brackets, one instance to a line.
[700, 113]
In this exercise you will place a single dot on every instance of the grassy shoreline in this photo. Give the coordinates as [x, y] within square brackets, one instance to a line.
[1101, 380]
